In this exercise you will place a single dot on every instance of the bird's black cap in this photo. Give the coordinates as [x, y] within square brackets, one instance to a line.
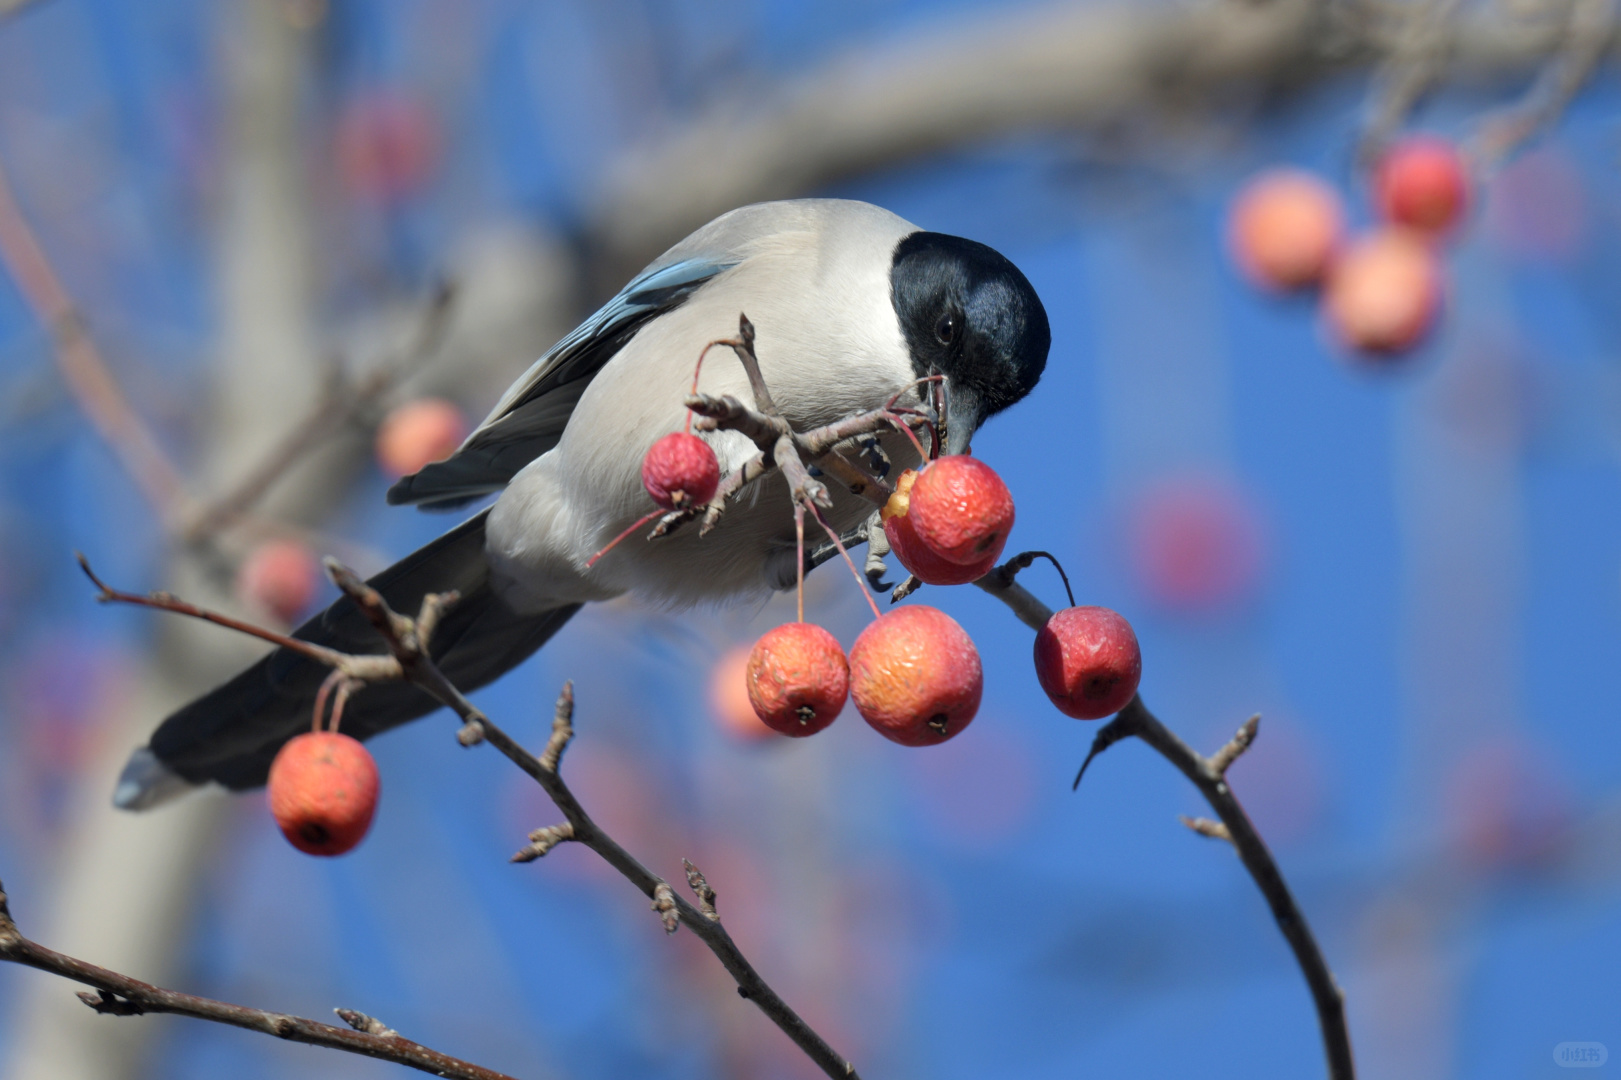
[969, 314]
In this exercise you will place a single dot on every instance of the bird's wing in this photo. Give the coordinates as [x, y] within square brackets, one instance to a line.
[531, 415]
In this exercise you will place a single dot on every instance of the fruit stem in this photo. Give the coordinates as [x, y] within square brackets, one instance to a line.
[638, 523]
[799, 555]
[847, 560]
[906, 429]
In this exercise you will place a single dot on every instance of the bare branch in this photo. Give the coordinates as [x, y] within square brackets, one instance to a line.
[409, 660]
[1589, 34]
[1135, 719]
[80, 363]
[338, 407]
[120, 995]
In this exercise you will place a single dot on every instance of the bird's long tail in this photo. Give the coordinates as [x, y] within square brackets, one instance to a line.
[231, 734]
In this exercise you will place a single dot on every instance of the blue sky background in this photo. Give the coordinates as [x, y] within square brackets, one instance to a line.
[1430, 623]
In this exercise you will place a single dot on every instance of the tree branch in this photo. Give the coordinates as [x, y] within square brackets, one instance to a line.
[1209, 776]
[408, 659]
[82, 367]
[121, 995]
[1064, 67]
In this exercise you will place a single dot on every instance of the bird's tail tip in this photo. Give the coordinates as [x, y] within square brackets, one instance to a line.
[147, 782]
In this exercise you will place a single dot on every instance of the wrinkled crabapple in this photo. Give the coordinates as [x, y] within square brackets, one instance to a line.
[915, 676]
[798, 678]
[680, 470]
[1088, 661]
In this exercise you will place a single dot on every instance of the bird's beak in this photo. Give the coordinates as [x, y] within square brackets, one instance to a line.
[964, 411]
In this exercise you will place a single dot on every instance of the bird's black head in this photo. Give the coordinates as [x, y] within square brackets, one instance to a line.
[968, 314]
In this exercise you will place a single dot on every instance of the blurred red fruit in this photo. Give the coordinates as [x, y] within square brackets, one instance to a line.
[1384, 292]
[1285, 227]
[417, 434]
[387, 144]
[680, 470]
[1508, 806]
[323, 791]
[279, 577]
[797, 679]
[729, 697]
[960, 509]
[914, 554]
[1195, 543]
[1422, 183]
[915, 676]
[1088, 662]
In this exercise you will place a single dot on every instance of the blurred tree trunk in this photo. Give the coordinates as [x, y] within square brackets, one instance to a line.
[125, 884]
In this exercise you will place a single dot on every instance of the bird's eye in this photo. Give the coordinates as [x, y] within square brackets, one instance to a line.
[946, 329]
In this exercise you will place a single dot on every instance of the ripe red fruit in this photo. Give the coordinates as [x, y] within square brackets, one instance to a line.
[323, 792]
[680, 470]
[278, 576]
[961, 509]
[729, 697]
[1284, 228]
[797, 679]
[386, 144]
[914, 554]
[915, 676]
[1384, 292]
[1088, 661]
[1422, 183]
[417, 434]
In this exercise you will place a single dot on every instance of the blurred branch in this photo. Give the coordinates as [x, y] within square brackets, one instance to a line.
[409, 659]
[342, 402]
[121, 995]
[1069, 67]
[1209, 775]
[1589, 33]
[82, 367]
[1416, 61]
[11, 7]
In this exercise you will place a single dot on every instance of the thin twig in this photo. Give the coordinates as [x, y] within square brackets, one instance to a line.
[1590, 32]
[120, 995]
[338, 407]
[1136, 720]
[82, 367]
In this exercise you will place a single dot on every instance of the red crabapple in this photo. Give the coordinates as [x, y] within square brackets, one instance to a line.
[729, 697]
[914, 554]
[323, 792]
[1285, 227]
[915, 676]
[961, 510]
[1088, 661]
[680, 470]
[386, 144]
[278, 576]
[1384, 292]
[797, 679]
[1422, 183]
[418, 434]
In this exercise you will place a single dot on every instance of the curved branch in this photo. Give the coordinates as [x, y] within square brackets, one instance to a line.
[1209, 776]
[121, 995]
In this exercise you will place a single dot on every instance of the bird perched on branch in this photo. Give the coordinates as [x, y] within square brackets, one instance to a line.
[852, 306]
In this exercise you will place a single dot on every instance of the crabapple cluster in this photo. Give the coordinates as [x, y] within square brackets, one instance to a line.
[914, 673]
[1382, 289]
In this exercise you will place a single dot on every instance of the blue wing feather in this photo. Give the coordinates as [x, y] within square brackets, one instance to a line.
[531, 415]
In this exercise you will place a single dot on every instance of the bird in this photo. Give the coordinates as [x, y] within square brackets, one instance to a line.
[852, 305]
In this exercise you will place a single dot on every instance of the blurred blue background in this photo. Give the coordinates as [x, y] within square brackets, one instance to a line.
[1411, 569]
